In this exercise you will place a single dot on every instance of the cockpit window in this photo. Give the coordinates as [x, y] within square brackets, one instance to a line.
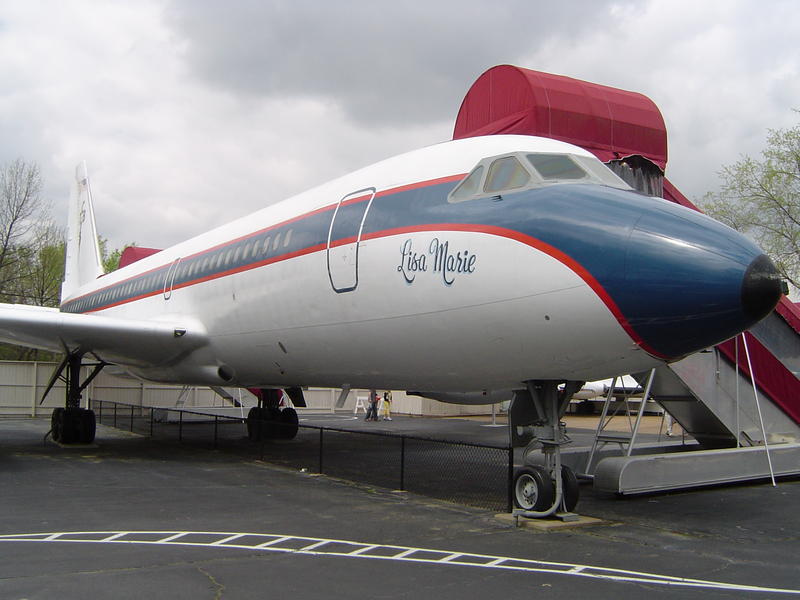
[470, 186]
[493, 176]
[506, 174]
[558, 167]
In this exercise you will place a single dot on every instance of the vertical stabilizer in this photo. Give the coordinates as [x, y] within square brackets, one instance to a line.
[83, 262]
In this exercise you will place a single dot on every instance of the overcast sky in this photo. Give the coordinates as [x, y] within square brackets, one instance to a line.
[190, 113]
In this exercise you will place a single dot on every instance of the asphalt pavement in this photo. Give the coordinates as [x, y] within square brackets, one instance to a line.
[132, 517]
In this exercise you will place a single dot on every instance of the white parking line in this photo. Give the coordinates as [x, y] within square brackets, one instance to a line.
[364, 551]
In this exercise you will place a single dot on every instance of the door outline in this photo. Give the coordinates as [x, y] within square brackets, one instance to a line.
[169, 279]
[347, 252]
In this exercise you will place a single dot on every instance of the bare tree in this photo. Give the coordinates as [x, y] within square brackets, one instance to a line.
[20, 203]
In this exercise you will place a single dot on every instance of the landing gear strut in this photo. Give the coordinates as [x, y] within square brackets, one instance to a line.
[269, 421]
[72, 424]
[541, 490]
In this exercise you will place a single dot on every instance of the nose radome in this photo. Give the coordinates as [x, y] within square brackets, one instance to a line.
[762, 287]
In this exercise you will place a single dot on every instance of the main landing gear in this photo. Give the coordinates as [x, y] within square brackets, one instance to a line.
[542, 490]
[73, 424]
[268, 421]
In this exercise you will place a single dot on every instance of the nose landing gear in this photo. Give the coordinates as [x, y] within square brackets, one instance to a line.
[535, 422]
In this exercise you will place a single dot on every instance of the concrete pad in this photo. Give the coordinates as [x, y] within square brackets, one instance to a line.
[549, 524]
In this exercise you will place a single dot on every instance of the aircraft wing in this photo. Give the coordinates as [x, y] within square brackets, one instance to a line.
[114, 340]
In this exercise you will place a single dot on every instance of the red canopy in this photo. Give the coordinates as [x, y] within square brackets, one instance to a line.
[606, 121]
[133, 253]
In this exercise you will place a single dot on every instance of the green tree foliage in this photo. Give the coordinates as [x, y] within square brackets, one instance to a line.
[761, 198]
[111, 258]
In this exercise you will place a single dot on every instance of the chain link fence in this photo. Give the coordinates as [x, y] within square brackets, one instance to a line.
[478, 475]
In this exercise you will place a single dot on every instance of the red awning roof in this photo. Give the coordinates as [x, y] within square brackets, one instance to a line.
[606, 121]
[133, 253]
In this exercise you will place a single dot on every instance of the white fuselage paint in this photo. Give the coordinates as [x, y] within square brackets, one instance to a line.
[513, 313]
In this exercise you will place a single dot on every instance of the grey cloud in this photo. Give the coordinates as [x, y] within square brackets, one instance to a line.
[382, 62]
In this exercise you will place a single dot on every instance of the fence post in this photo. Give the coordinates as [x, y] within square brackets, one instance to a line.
[320, 450]
[115, 415]
[402, 462]
[131, 428]
[180, 426]
[34, 388]
[215, 430]
[510, 482]
[152, 410]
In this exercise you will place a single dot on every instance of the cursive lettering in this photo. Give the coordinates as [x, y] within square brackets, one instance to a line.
[443, 261]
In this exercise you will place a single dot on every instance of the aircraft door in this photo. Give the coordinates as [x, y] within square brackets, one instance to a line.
[169, 280]
[344, 238]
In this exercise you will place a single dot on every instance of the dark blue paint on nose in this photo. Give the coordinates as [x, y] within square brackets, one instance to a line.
[762, 288]
[692, 282]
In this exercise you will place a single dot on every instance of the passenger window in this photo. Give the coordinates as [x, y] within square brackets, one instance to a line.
[276, 242]
[506, 174]
[556, 167]
[469, 187]
[287, 239]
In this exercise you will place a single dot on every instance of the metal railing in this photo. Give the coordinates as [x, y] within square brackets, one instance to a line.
[461, 472]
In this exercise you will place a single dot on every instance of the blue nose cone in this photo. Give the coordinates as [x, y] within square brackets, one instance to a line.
[693, 281]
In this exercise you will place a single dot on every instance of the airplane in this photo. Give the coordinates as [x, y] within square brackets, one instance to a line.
[469, 267]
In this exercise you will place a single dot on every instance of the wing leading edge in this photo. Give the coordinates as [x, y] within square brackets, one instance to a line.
[135, 343]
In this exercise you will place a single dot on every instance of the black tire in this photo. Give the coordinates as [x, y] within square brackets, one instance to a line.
[570, 488]
[272, 423]
[56, 423]
[88, 427]
[533, 489]
[289, 423]
[255, 424]
[71, 425]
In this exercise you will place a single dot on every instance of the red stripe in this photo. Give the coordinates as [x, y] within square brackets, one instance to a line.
[539, 245]
[532, 242]
[403, 188]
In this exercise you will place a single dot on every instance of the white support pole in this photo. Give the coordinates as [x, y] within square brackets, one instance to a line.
[758, 407]
[33, 387]
[736, 360]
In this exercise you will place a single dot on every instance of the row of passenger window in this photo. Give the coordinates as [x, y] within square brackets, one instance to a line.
[229, 257]
[204, 265]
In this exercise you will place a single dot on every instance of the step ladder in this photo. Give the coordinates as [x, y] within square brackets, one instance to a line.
[625, 440]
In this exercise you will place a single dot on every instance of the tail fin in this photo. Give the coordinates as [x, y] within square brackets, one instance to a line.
[83, 262]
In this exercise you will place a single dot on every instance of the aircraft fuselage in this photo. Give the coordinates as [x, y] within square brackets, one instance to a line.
[379, 279]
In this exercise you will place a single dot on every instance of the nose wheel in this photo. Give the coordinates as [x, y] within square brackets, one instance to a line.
[535, 422]
[534, 490]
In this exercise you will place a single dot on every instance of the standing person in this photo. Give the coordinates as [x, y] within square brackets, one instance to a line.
[372, 410]
[387, 406]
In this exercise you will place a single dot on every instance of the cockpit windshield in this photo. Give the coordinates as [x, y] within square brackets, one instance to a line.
[518, 171]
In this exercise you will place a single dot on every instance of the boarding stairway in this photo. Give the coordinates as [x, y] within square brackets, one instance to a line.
[711, 396]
